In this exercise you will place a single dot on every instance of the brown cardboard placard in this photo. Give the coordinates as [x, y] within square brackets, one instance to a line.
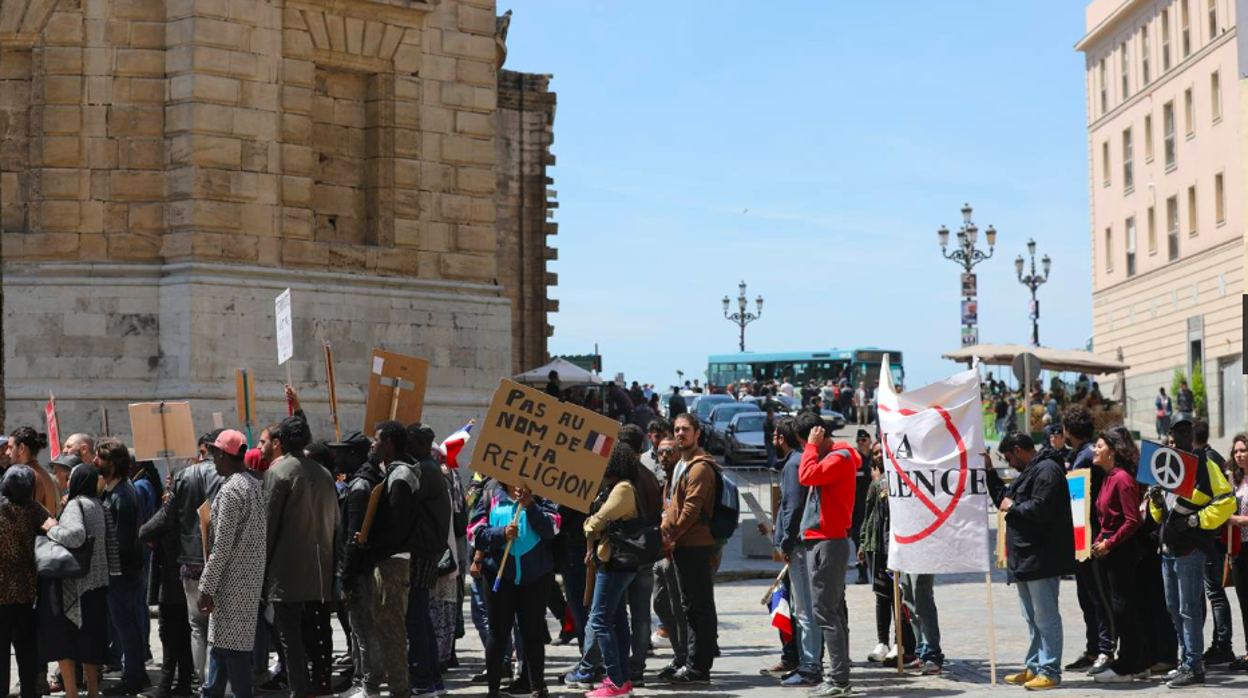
[1002, 552]
[370, 514]
[162, 430]
[396, 388]
[558, 449]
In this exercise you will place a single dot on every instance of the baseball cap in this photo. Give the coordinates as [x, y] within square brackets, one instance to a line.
[354, 441]
[863, 434]
[1053, 430]
[1180, 418]
[231, 441]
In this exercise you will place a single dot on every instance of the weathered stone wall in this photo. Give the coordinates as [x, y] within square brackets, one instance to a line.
[525, 128]
[167, 167]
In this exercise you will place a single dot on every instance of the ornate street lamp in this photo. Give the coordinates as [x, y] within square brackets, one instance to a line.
[966, 255]
[742, 318]
[1033, 281]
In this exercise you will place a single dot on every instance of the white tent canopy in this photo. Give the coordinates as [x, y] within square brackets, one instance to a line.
[1050, 359]
[569, 374]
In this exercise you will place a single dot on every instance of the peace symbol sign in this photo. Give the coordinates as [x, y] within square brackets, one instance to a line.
[1168, 468]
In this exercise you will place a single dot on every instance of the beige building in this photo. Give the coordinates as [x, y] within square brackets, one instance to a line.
[1166, 181]
[167, 167]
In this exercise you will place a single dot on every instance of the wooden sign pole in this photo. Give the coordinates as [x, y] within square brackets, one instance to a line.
[333, 391]
[507, 550]
[104, 419]
[897, 621]
[992, 632]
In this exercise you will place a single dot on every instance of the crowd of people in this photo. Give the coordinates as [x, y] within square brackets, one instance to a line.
[250, 553]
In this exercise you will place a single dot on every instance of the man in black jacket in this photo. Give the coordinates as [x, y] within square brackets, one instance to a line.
[430, 536]
[356, 578]
[1040, 545]
[125, 591]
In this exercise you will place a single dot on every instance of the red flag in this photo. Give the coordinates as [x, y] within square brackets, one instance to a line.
[54, 426]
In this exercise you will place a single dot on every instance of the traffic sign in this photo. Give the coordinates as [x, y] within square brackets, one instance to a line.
[1026, 368]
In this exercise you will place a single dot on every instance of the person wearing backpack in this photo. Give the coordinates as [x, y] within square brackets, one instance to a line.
[829, 470]
[688, 540]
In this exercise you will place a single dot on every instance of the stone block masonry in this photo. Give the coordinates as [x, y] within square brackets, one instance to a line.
[167, 168]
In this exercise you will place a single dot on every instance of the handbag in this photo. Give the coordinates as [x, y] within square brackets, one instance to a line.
[55, 561]
[636, 542]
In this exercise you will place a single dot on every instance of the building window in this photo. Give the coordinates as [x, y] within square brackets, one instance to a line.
[1128, 174]
[1213, 19]
[1152, 230]
[1130, 226]
[1189, 115]
[1185, 26]
[1219, 199]
[1104, 88]
[1191, 210]
[1215, 95]
[1165, 40]
[1109, 249]
[1124, 63]
[1148, 137]
[1145, 70]
[1167, 113]
[1172, 226]
[1105, 163]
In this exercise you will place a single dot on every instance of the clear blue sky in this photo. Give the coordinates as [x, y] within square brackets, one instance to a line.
[850, 132]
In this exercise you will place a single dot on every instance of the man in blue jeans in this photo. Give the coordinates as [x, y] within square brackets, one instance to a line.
[1040, 546]
[1188, 535]
[125, 591]
[919, 597]
[807, 635]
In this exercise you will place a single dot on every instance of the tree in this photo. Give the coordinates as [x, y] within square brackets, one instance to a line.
[1197, 384]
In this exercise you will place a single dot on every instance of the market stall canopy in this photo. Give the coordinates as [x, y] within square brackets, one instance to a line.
[569, 374]
[1050, 359]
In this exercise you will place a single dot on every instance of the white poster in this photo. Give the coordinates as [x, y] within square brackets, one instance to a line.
[937, 487]
[285, 333]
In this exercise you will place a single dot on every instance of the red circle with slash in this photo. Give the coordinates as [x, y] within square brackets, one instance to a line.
[940, 516]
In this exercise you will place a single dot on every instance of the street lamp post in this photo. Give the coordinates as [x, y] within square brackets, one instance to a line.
[1033, 281]
[742, 318]
[966, 255]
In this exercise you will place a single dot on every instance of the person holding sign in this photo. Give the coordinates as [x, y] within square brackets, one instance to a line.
[516, 585]
[1188, 534]
[1040, 546]
[1117, 547]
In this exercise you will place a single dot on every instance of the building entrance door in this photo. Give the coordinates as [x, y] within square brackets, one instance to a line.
[1232, 392]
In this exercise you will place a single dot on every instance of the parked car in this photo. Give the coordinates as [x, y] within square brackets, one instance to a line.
[703, 404]
[719, 419]
[745, 440]
[835, 420]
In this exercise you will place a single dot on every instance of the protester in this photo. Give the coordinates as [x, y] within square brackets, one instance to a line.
[428, 543]
[166, 591]
[1040, 549]
[687, 539]
[513, 514]
[873, 551]
[1239, 528]
[127, 602]
[21, 520]
[1099, 648]
[61, 467]
[1220, 650]
[861, 482]
[1187, 537]
[667, 597]
[608, 630]
[641, 589]
[24, 447]
[75, 632]
[1164, 411]
[356, 579]
[658, 430]
[829, 469]
[300, 520]
[553, 387]
[808, 669]
[233, 577]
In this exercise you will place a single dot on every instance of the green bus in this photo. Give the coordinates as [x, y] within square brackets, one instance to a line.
[859, 365]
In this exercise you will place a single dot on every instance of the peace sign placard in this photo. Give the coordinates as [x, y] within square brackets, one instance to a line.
[1167, 468]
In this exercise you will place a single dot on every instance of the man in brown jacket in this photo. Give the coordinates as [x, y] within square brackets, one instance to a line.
[688, 541]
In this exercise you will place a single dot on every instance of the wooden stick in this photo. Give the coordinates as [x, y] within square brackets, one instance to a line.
[104, 416]
[766, 601]
[507, 550]
[290, 404]
[333, 392]
[591, 580]
[992, 632]
[394, 399]
[901, 652]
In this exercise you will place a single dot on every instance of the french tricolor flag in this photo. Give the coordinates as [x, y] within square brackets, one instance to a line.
[599, 443]
[455, 443]
[781, 618]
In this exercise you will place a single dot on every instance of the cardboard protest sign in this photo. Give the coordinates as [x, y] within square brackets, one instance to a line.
[937, 492]
[1080, 483]
[396, 389]
[285, 332]
[54, 426]
[556, 448]
[162, 430]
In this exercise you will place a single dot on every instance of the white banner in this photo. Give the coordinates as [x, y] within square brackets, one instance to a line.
[937, 488]
[285, 333]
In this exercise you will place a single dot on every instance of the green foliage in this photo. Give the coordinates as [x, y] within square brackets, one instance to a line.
[1198, 390]
[1179, 376]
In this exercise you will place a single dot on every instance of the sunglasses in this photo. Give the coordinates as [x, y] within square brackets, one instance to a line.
[666, 451]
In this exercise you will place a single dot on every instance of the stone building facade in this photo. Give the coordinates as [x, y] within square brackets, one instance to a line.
[168, 167]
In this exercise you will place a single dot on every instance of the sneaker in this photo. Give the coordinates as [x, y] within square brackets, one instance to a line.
[277, 684]
[1111, 676]
[1042, 683]
[827, 689]
[575, 679]
[1240, 664]
[1187, 678]
[796, 679]
[343, 659]
[915, 664]
[638, 681]
[931, 668]
[1171, 675]
[1161, 668]
[878, 654]
[430, 691]
[688, 675]
[892, 654]
[776, 670]
[1219, 655]
[1021, 678]
[519, 687]
[1083, 662]
[482, 677]
[659, 638]
[1101, 664]
[542, 692]
[667, 672]
[610, 690]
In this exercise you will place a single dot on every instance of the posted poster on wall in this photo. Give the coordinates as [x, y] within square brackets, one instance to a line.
[558, 449]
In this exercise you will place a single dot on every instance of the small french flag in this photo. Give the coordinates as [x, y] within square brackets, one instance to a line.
[454, 444]
[781, 618]
[599, 443]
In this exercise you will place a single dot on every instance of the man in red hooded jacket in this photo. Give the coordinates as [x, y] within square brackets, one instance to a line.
[829, 469]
